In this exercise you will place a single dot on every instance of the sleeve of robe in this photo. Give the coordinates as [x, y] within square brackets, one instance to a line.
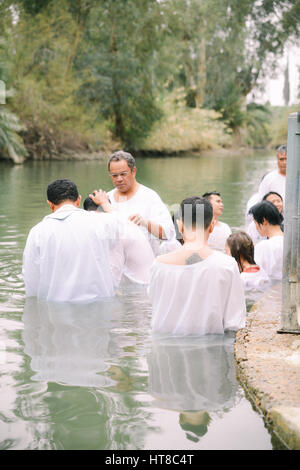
[159, 214]
[31, 263]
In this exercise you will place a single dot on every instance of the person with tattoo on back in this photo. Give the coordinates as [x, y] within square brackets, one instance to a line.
[196, 290]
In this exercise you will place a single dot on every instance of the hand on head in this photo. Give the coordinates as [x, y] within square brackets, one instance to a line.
[99, 197]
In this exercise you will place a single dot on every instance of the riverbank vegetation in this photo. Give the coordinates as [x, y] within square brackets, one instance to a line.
[86, 77]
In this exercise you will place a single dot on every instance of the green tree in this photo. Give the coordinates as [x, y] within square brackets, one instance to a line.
[121, 41]
[11, 144]
[224, 47]
[286, 86]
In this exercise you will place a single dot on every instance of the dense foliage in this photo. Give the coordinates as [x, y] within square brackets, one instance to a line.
[90, 75]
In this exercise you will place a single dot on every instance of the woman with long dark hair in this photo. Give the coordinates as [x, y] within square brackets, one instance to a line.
[240, 246]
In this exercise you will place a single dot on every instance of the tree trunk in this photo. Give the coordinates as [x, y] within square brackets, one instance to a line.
[81, 18]
[201, 73]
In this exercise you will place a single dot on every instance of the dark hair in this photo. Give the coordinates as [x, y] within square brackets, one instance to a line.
[269, 194]
[266, 210]
[212, 193]
[281, 149]
[196, 209]
[89, 204]
[121, 155]
[241, 244]
[62, 190]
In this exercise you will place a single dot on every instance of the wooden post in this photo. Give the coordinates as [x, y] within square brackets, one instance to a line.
[290, 314]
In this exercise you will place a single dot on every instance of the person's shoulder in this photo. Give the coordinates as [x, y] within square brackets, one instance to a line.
[271, 175]
[170, 259]
[222, 258]
[37, 227]
[262, 246]
[225, 226]
[222, 262]
[151, 193]
[277, 241]
[266, 180]
[111, 194]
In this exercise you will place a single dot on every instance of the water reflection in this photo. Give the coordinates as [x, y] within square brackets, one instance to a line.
[70, 343]
[84, 361]
[82, 382]
[194, 376]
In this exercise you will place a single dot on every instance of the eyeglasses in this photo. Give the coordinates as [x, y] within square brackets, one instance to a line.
[123, 174]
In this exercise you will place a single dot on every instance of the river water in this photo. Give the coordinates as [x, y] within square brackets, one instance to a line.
[75, 377]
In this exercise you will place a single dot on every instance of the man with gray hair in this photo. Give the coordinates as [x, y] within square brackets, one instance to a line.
[136, 202]
[275, 180]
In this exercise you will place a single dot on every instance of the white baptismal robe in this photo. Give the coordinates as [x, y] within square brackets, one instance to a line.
[254, 199]
[217, 239]
[269, 255]
[149, 205]
[258, 280]
[254, 234]
[202, 298]
[132, 255]
[273, 181]
[66, 257]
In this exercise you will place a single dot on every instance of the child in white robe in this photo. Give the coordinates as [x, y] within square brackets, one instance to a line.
[240, 246]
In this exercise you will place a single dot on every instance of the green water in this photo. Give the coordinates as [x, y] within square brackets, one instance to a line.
[92, 377]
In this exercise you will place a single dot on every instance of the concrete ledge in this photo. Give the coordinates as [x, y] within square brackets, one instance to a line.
[287, 422]
[268, 367]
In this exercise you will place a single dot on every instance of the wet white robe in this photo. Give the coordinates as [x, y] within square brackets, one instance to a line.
[131, 256]
[198, 299]
[269, 255]
[273, 181]
[254, 234]
[66, 257]
[149, 205]
[254, 199]
[217, 239]
[258, 280]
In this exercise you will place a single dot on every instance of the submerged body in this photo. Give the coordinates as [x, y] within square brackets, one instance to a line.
[206, 297]
[66, 257]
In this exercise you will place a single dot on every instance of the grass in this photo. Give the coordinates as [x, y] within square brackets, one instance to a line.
[185, 129]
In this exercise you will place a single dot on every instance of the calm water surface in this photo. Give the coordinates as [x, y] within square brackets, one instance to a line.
[92, 377]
